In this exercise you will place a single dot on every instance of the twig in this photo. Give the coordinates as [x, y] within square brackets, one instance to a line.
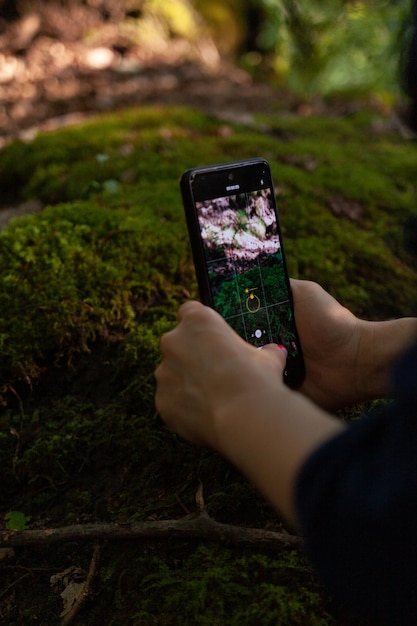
[14, 431]
[19, 400]
[199, 498]
[201, 526]
[92, 573]
[13, 584]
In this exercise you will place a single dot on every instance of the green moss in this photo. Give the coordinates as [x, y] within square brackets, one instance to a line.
[78, 272]
[89, 285]
[76, 162]
[212, 585]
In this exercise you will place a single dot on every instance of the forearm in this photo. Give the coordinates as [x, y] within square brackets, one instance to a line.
[381, 345]
[269, 437]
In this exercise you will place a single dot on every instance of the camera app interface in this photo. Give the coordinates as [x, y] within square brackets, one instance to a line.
[245, 267]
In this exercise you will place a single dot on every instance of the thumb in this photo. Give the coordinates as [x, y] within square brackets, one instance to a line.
[277, 353]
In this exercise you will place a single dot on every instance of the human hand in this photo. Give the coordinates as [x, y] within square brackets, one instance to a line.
[331, 337]
[208, 370]
[215, 389]
[348, 360]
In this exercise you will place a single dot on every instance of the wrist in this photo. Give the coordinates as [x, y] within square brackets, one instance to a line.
[380, 346]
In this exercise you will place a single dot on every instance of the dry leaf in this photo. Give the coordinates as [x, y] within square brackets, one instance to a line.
[70, 596]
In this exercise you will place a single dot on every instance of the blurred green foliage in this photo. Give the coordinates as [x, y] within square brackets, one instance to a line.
[314, 46]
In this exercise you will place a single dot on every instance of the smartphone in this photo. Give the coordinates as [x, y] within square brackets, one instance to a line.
[238, 254]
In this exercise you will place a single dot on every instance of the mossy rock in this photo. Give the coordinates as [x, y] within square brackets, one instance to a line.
[87, 288]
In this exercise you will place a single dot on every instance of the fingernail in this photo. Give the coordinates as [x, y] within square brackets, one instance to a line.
[283, 348]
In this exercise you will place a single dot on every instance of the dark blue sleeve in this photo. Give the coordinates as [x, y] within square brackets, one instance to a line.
[357, 505]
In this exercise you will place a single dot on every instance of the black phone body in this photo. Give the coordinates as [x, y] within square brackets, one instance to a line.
[238, 254]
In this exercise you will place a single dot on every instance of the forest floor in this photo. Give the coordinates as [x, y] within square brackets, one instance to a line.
[81, 443]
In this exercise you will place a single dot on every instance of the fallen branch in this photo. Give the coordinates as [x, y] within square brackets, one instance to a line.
[92, 573]
[200, 526]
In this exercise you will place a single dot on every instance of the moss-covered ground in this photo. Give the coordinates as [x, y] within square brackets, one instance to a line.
[87, 287]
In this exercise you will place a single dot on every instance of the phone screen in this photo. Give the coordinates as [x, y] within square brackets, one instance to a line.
[245, 276]
[245, 267]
